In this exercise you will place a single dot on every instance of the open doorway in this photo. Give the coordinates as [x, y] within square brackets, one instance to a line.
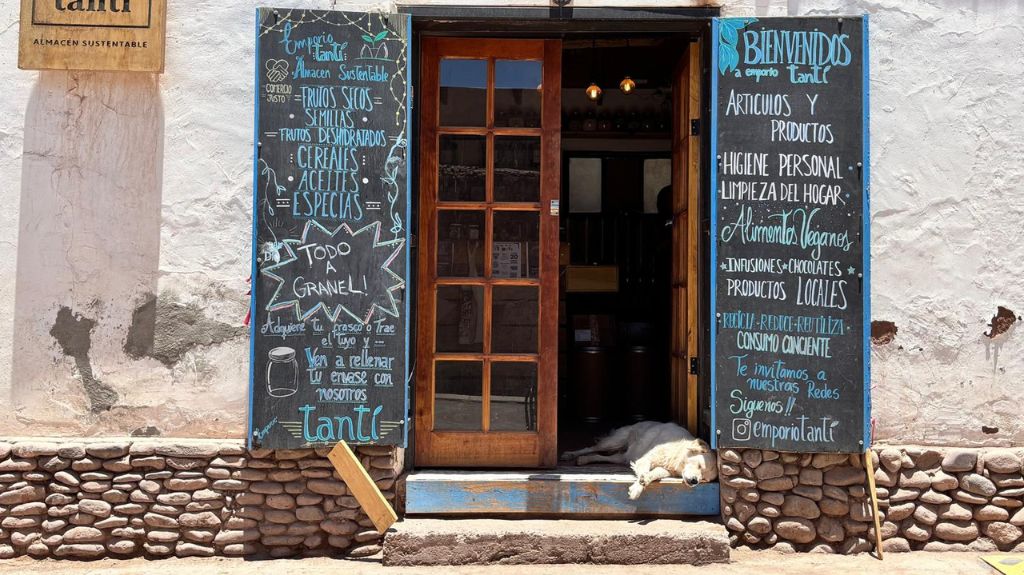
[617, 247]
[542, 254]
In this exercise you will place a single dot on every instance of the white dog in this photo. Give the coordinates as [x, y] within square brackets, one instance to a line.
[654, 451]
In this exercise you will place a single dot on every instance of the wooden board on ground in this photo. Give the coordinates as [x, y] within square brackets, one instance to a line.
[362, 487]
[118, 35]
[1006, 564]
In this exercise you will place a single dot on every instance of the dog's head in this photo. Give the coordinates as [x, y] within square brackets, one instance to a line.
[701, 465]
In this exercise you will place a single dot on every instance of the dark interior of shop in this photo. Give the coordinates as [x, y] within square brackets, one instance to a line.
[616, 236]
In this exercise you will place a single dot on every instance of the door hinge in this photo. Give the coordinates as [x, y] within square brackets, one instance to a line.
[695, 127]
[694, 366]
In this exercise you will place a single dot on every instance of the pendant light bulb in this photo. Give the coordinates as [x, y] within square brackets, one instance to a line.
[627, 85]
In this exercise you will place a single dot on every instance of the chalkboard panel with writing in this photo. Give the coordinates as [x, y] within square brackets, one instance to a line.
[789, 234]
[330, 213]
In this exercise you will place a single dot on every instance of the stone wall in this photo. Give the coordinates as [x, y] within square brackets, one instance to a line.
[929, 499]
[124, 498]
[136, 327]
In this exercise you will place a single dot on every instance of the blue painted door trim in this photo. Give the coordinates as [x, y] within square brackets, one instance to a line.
[255, 227]
[866, 219]
[552, 496]
[713, 234]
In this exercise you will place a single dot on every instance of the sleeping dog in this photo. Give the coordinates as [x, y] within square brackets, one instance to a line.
[654, 451]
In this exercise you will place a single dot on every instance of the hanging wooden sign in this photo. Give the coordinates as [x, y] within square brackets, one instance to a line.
[110, 35]
[790, 250]
[330, 229]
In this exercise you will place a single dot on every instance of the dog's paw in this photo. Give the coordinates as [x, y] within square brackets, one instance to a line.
[568, 456]
[635, 490]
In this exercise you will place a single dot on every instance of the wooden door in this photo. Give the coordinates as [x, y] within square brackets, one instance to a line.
[685, 236]
[486, 367]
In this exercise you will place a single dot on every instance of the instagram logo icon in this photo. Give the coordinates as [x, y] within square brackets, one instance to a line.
[740, 429]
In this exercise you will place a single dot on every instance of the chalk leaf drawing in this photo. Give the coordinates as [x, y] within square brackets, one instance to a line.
[376, 50]
[728, 37]
[278, 189]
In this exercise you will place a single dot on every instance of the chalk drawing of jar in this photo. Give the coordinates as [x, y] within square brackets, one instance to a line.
[282, 372]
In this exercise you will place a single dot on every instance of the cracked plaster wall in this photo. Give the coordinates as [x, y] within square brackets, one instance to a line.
[947, 175]
[119, 188]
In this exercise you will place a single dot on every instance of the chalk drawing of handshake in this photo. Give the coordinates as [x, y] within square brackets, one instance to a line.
[277, 70]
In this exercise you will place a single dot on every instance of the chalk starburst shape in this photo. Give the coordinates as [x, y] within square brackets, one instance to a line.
[360, 284]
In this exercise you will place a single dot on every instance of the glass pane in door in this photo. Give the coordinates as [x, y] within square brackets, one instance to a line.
[516, 169]
[459, 319]
[516, 247]
[463, 92]
[460, 243]
[517, 93]
[514, 319]
[462, 175]
[513, 396]
[458, 395]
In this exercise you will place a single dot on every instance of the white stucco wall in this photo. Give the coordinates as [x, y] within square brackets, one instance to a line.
[117, 188]
[947, 168]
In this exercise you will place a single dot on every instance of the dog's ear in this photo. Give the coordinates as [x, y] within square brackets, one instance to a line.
[701, 446]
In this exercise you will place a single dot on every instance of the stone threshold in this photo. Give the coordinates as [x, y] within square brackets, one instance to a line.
[422, 542]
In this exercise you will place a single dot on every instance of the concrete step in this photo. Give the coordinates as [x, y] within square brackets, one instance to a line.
[423, 542]
[563, 492]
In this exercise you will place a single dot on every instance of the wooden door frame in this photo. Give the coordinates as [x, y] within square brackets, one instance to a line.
[522, 22]
[503, 449]
[686, 238]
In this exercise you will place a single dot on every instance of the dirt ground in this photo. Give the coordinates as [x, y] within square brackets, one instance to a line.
[761, 563]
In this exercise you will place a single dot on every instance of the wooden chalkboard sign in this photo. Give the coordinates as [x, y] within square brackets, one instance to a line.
[789, 234]
[330, 229]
